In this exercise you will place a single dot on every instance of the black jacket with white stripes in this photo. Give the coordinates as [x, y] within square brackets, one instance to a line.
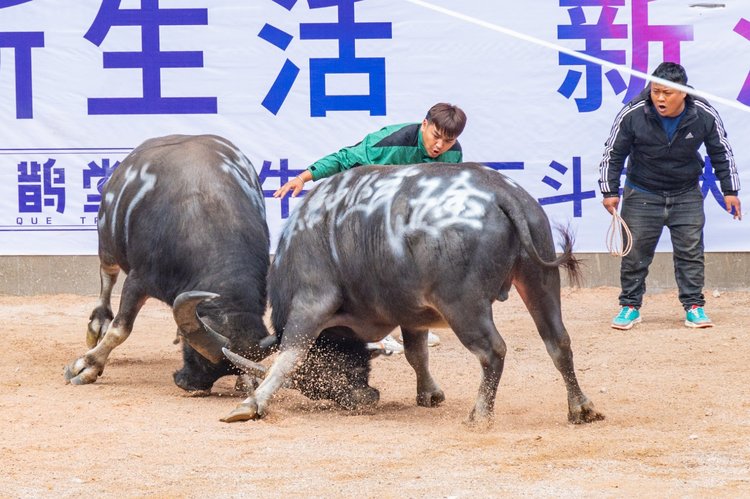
[662, 166]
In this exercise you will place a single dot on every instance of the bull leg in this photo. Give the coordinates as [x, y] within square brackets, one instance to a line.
[301, 331]
[90, 366]
[429, 393]
[472, 324]
[541, 294]
[101, 316]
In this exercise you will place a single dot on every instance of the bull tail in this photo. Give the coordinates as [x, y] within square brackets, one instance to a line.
[566, 260]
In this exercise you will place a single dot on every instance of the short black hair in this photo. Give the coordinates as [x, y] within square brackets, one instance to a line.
[447, 118]
[671, 71]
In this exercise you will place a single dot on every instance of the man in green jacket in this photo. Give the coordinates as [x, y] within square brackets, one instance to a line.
[433, 140]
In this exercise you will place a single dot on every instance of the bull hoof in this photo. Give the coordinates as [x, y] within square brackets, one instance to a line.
[78, 373]
[430, 399]
[243, 412]
[584, 413]
[476, 423]
[481, 417]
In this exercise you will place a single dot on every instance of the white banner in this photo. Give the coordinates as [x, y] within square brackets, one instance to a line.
[289, 81]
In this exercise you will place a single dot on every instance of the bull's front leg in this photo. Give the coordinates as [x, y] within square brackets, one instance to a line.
[90, 366]
[254, 407]
[296, 341]
[101, 316]
[429, 393]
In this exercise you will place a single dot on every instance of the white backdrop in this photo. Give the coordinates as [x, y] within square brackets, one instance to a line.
[292, 80]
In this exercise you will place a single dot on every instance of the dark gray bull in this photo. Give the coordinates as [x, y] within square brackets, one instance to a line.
[184, 218]
[417, 247]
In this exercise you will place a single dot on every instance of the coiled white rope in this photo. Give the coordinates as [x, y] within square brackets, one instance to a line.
[618, 235]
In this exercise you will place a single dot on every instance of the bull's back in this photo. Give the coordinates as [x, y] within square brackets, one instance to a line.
[393, 238]
[180, 204]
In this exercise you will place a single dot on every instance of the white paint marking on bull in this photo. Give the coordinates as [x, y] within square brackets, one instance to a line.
[247, 182]
[130, 175]
[442, 203]
[106, 201]
[244, 172]
[148, 182]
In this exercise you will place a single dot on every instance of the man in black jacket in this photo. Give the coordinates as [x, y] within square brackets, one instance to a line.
[660, 132]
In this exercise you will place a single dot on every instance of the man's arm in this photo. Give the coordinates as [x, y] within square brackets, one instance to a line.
[616, 149]
[334, 163]
[725, 168]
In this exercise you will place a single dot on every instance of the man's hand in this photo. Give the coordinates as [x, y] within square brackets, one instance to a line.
[295, 185]
[611, 203]
[733, 203]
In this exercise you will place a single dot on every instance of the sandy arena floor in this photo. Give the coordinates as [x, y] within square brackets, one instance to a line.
[677, 405]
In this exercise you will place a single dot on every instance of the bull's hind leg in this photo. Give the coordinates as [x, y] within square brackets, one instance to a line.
[540, 291]
[429, 393]
[472, 324]
[101, 316]
[90, 366]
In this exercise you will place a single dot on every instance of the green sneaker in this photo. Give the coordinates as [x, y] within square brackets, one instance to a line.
[627, 318]
[696, 317]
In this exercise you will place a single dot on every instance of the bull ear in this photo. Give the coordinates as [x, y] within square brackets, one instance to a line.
[197, 333]
[247, 365]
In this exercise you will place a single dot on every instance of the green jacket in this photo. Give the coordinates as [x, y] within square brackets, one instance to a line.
[391, 145]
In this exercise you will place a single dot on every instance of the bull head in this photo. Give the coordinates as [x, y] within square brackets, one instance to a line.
[202, 337]
[197, 333]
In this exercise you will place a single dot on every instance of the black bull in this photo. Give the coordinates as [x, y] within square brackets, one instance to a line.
[184, 218]
[417, 247]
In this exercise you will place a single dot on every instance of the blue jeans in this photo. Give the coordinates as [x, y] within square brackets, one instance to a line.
[647, 214]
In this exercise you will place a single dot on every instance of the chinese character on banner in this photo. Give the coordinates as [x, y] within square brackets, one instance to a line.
[576, 197]
[642, 34]
[21, 42]
[151, 60]
[709, 183]
[40, 186]
[283, 174]
[743, 29]
[346, 31]
[102, 173]
[504, 165]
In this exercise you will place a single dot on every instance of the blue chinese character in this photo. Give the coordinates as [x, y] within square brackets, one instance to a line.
[709, 183]
[743, 28]
[39, 186]
[102, 173]
[283, 174]
[643, 34]
[577, 196]
[150, 60]
[593, 34]
[347, 31]
[22, 42]
[504, 165]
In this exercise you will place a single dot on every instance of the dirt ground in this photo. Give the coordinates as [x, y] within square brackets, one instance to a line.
[676, 401]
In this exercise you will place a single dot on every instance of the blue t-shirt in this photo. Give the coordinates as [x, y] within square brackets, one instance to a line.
[670, 124]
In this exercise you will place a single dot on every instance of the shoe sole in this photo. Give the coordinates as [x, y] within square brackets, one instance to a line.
[627, 326]
[698, 326]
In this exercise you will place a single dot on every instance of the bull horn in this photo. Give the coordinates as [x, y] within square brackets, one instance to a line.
[246, 365]
[197, 333]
